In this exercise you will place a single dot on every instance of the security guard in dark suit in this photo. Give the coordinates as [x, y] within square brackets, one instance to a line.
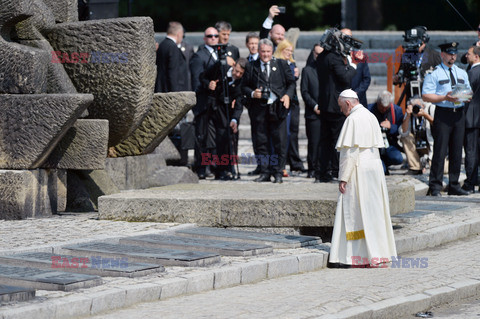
[449, 121]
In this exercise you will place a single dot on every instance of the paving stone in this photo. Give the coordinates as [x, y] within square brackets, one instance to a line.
[226, 248]
[227, 277]
[167, 257]
[253, 271]
[92, 265]
[275, 240]
[45, 279]
[107, 300]
[144, 292]
[127, 60]
[12, 293]
[465, 289]
[440, 296]
[167, 110]
[71, 306]
[282, 267]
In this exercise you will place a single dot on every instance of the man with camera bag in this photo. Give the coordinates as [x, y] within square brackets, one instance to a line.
[413, 133]
[269, 85]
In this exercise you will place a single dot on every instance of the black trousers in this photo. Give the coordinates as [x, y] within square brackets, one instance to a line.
[253, 128]
[331, 125]
[204, 137]
[313, 128]
[293, 155]
[223, 136]
[270, 162]
[471, 157]
[448, 132]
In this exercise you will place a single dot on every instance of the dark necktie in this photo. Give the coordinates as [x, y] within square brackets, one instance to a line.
[452, 78]
[250, 58]
[265, 70]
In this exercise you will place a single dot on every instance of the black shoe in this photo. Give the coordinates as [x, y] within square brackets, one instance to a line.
[208, 172]
[325, 179]
[317, 180]
[201, 175]
[262, 178]
[433, 192]
[311, 174]
[414, 172]
[256, 171]
[298, 169]
[278, 179]
[223, 176]
[457, 191]
[469, 190]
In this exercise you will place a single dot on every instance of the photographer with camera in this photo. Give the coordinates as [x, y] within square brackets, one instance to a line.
[414, 133]
[276, 32]
[417, 60]
[269, 85]
[335, 74]
[390, 117]
[226, 106]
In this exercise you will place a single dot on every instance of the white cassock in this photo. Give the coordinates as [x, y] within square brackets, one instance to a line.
[362, 229]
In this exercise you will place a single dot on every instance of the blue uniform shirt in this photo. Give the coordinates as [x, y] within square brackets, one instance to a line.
[438, 82]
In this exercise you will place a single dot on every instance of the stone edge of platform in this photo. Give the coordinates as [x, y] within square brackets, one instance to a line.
[84, 303]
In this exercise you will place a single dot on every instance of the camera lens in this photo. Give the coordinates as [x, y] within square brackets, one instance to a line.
[416, 109]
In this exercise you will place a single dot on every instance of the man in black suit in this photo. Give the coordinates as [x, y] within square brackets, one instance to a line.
[269, 85]
[335, 74]
[224, 29]
[309, 88]
[472, 122]
[276, 32]
[172, 68]
[201, 61]
[213, 79]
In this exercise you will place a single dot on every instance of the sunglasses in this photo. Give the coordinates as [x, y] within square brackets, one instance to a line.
[212, 35]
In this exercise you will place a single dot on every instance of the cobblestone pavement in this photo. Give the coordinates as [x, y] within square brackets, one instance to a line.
[327, 291]
[468, 309]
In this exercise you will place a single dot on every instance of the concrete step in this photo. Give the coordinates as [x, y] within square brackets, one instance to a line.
[15, 294]
[241, 204]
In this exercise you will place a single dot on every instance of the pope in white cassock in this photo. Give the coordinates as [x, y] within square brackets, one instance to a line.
[362, 233]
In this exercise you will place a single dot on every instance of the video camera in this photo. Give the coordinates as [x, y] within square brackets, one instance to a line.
[221, 51]
[334, 40]
[413, 40]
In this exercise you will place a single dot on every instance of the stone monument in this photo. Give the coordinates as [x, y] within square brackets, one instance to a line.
[69, 91]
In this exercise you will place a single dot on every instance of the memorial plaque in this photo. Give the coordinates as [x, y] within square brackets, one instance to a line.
[12, 293]
[91, 265]
[226, 248]
[170, 257]
[412, 217]
[46, 279]
[275, 240]
[437, 207]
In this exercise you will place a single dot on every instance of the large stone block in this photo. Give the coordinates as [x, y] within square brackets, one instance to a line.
[84, 147]
[168, 151]
[230, 204]
[168, 109]
[42, 19]
[120, 72]
[31, 125]
[84, 188]
[23, 69]
[63, 10]
[27, 193]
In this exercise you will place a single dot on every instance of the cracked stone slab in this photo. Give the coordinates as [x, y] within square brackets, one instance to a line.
[31, 125]
[167, 110]
[84, 147]
[121, 50]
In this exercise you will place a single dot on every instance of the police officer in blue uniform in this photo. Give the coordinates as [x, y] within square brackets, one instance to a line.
[449, 122]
